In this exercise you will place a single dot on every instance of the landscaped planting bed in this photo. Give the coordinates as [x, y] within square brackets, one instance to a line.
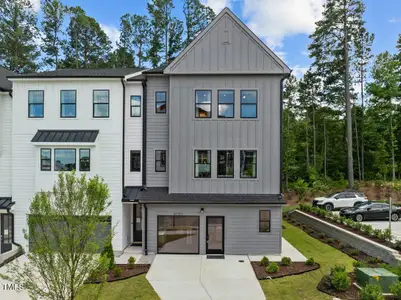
[127, 271]
[295, 268]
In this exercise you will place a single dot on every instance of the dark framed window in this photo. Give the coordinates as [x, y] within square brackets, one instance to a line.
[226, 101]
[178, 234]
[135, 106]
[135, 161]
[36, 104]
[249, 104]
[45, 159]
[202, 164]
[161, 102]
[101, 103]
[85, 160]
[68, 104]
[264, 221]
[225, 164]
[64, 159]
[160, 160]
[248, 164]
[203, 104]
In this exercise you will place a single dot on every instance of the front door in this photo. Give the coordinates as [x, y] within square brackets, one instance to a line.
[214, 235]
[6, 232]
[137, 223]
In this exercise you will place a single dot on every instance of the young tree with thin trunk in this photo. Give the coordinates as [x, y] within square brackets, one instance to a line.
[18, 30]
[197, 17]
[65, 226]
[175, 44]
[141, 30]
[124, 53]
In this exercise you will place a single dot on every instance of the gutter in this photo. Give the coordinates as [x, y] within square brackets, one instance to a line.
[123, 144]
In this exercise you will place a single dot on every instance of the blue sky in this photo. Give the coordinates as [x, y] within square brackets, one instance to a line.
[283, 24]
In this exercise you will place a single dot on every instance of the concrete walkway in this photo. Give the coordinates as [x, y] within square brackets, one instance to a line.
[183, 277]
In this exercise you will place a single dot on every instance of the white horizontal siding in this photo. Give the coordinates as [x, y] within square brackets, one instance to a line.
[5, 144]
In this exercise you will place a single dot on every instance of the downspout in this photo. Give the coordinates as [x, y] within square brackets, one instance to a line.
[146, 229]
[144, 144]
[123, 145]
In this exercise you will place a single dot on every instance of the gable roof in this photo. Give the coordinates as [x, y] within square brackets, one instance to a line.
[5, 84]
[82, 73]
[226, 12]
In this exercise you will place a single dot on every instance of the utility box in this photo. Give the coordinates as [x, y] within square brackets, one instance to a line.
[377, 276]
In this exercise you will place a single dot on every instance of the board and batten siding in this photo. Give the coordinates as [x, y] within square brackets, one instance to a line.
[157, 135]
[5, 144]
[241, 230]
[188, 134]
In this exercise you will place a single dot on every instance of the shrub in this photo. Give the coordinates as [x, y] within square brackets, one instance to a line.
[300, 187]
[349, 222]
[117, 272]
[371, 292]
[386, 234]
[322, 235]
[359, 264]
[286, 261]
[395, 289]
[343, 219]
[131, 262]
[354, 252]
[108, 252]
[373, 260]
[376, 233]
[339, 278]
[331, 240]
[368, 229]
[357, 225]
[341, 246]
[272, 268]
[264, 261]
[310, 262]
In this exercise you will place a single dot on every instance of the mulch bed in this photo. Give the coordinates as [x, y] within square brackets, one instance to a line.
[126, 273]
[295, 268]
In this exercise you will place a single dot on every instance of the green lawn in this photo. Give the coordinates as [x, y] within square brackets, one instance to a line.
[304, 286]
[137, 288]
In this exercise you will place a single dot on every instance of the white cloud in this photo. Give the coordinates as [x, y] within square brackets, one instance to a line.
[299, 71]
[272, 20]
[395, 20]
[217, 5]
[35, 5]
[112, 32]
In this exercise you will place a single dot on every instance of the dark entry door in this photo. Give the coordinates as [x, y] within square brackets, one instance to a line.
[6, 232]
[137, 223]
[214, 235]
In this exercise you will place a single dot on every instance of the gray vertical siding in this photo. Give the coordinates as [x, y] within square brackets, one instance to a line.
[188, 134]
[241, 234]
[157, 137]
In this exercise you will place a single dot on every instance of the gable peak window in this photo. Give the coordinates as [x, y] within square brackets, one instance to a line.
[68, 104]
[135, 106]
[226, 103]
[135, 161]
[101, 103]
[264, 221]
[160, 160]
[249, 104]
[202, 164]
[248, 164]
[85, 160]
[225, 164]
[161, 102]
[36, 104]
[203, 104]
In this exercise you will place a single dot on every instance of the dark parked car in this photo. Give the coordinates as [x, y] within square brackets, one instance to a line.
[371, 211]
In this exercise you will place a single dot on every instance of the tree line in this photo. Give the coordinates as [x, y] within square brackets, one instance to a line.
[341, 118]
[66, 37]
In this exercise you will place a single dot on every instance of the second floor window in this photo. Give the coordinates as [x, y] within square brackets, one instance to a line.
[202, 164]
[248, 164]
[35, 104]
[203, 104]
[160, 160]
[68, 104]
[135, 106]
[225, 164]
[45, 159]
[226, 104]
[85, 160]
[64, 159]
[249, 104]
[161, 102]
[101, 105]
[135, 161]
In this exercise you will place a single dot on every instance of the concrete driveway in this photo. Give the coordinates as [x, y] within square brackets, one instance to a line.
[183, 277]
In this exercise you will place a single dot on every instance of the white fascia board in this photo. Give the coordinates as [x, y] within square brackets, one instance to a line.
[134, 74]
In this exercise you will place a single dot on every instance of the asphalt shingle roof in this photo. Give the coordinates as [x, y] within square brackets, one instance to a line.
[83, 73]
[65, 136]
[5, 84]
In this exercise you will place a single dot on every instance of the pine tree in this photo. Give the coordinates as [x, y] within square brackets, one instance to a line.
[197, 17]
[52, 22]
[333, 47]
[175, 45]
[124, 55]
[18, 30]
[141, 31]
[88, 45]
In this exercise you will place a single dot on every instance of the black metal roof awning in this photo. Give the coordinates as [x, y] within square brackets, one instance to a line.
[6, 203]
[160, 195]
[65, 136]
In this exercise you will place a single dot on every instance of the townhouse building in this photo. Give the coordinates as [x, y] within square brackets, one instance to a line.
[191, 151]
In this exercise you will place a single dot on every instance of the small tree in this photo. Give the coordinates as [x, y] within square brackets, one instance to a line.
[67, 231]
